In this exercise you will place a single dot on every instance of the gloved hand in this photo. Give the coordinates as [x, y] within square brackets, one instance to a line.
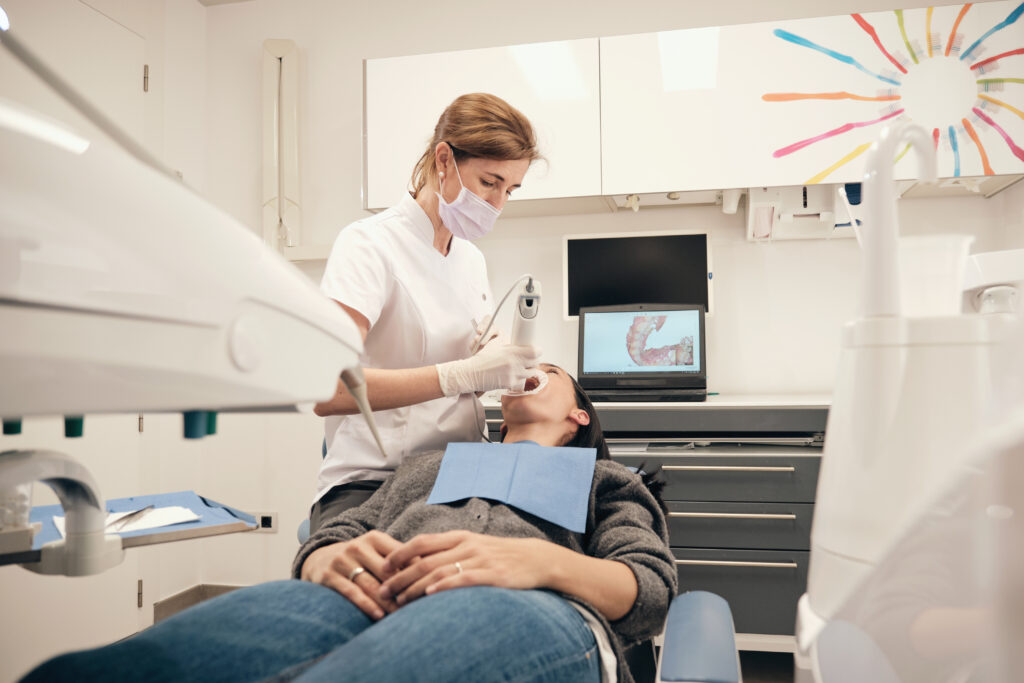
[493, 335]
[542, 381]
[496, 367]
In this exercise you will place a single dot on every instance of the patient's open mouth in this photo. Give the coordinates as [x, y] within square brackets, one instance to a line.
[531, 384]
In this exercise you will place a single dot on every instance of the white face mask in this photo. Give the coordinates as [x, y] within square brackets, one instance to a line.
[468, 216]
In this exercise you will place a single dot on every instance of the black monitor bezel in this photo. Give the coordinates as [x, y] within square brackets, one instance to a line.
[643, 380]
[606, 238]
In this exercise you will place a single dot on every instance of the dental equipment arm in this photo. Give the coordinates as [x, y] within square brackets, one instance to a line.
[879, 237]
[86, 549]
[123, 291]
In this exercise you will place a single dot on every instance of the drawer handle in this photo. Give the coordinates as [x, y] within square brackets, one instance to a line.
[733, 515]
[725, 468]
[724, 563]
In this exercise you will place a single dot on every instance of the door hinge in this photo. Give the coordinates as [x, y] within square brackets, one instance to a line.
[145, 78]
[140, 422]
[140, 593]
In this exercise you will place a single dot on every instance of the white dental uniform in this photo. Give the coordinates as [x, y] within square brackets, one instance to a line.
[421, 307]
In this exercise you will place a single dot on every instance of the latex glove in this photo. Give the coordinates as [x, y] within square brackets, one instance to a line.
[496, 367]
[542, 381]
[493, 335]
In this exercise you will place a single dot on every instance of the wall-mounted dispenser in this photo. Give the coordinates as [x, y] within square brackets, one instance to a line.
[800, 212]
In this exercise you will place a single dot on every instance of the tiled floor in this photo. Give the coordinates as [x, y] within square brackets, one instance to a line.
[766, 667]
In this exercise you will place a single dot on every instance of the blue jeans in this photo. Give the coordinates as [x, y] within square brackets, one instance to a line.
[288, 630]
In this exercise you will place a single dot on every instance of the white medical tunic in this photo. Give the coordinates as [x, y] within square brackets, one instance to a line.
[421, 307]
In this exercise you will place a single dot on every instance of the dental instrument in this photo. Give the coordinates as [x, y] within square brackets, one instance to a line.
[355, 382]
[121, 522]
[524, 317]
[490, 323]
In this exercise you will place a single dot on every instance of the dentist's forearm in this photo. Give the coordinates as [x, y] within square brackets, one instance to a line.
[386, 389]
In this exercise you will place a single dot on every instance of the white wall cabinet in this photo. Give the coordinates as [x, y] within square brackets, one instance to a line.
[97, 55]
[779, 103]
[799, 102]
[554, 84]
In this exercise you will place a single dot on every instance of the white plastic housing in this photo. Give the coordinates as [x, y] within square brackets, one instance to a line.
[910, 395]
[525, 314]
[123, 290]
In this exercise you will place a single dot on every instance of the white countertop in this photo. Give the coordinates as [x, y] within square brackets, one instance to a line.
[492, 400]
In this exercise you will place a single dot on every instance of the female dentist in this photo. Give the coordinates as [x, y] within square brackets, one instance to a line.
[417, 289]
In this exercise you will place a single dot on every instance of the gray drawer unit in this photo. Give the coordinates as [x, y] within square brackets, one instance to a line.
[788, 475]
[709, 418]
[760, 526]
[740, 480]
[740, 524]
[682, 419]
[762, 587]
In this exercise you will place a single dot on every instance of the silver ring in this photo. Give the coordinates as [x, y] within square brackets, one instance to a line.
[458, 565]
[355, 572]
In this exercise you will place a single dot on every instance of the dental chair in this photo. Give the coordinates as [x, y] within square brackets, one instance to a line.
[699, 643]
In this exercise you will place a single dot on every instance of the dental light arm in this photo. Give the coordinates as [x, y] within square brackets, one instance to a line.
[123, 291]
[879, 236]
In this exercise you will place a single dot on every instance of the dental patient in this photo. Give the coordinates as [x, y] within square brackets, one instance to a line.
[538, 559]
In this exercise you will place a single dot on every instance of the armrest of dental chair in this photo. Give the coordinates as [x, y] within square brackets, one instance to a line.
[303, 531]
[700, 641]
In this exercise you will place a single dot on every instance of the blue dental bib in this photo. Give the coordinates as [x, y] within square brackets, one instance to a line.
[552, 483]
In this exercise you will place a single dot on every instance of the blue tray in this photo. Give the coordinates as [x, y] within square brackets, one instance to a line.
[214, 518]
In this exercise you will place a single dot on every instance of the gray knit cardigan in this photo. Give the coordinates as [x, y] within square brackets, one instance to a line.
[624, 523]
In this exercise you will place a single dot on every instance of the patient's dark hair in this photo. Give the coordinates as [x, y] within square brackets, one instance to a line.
[591, 436]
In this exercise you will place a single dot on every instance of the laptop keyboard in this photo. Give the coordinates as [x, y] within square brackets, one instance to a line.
[647, 395]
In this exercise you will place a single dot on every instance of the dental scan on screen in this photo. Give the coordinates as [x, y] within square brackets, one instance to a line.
[651, 341]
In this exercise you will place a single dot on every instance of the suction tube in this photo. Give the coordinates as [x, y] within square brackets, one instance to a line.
[355, 382]
[881, 294]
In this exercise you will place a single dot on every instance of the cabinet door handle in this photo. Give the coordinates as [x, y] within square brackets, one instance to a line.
[725, 468]
[725, 563]
[734, 515]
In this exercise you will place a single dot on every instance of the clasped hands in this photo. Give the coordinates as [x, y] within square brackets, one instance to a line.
[397, 573]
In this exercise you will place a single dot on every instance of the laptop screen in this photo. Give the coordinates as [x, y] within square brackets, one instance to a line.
[656, 345]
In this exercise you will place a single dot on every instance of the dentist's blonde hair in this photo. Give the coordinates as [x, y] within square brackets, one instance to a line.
[477, 125]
